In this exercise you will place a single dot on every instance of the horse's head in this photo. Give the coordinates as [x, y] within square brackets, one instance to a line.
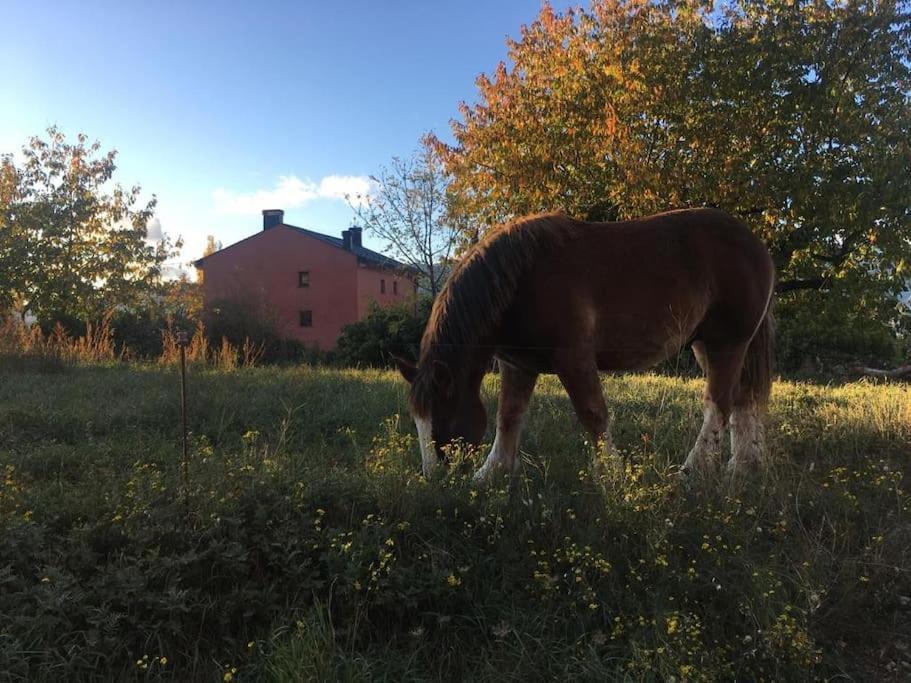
[446, 409]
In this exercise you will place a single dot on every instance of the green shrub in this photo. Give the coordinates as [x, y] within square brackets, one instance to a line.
[830, 339]
[139, 332]
[384, 331]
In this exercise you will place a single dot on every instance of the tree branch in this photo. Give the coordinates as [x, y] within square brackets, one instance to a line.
[817, 283]
[849, 245]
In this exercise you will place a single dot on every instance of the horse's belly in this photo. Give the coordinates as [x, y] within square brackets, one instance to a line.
[618, 348]
[631, 359]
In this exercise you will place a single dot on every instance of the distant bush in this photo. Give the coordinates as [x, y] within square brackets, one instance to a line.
[244, 323]
[238, 320]
[139, 331]
[828, 341]
[382, 332]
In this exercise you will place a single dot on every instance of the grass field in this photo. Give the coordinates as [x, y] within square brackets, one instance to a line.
[307, 547]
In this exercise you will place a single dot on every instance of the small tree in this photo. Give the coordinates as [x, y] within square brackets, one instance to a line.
[72, 243]
[411, 212]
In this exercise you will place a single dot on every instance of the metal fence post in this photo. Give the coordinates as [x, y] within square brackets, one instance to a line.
[182, 343]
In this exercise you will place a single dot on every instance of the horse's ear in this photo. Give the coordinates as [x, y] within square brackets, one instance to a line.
[408, 369]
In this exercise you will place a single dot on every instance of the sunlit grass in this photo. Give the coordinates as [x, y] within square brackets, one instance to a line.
[308, 546]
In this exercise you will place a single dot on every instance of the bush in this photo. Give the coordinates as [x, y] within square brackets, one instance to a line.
[136, 332]
[236, 321]
[242, 323]
[382, 332]
[139, 331]
[829, 339]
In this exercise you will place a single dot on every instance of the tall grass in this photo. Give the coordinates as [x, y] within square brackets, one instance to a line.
[314, 550]
[95, 346]
[28, 346]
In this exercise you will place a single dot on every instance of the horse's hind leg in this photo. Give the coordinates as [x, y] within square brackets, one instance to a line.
[516, 387]
[752, 399]
[747, 437]
[722, 365]
[579, 374]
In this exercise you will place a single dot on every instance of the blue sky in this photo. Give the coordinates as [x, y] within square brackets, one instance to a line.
[218, 107]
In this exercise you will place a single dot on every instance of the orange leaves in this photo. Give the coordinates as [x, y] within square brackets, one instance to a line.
[645, 106]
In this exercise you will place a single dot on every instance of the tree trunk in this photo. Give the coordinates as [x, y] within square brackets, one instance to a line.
[902, 373]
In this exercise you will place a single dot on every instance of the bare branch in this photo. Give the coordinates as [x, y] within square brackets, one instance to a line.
[411, 213]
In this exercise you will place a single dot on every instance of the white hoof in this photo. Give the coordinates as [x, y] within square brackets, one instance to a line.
[493, 467]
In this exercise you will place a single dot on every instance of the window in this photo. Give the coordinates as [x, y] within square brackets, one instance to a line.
[303, 278]
[395, 287]
[382, 286]
[306, 318]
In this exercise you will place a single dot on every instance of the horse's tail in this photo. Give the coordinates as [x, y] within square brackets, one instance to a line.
[759, 364]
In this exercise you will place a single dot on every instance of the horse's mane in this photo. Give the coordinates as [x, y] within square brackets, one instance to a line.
[480, 289]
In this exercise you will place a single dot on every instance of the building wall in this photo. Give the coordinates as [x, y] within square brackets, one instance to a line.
[262, 271]
[369, 289]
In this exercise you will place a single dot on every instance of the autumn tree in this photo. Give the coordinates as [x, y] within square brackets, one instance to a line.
[793, 115]
[409, 209]
[212, 245]
[73, 243]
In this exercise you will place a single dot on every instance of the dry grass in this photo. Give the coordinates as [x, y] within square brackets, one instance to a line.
[95, 346]
[28, 345]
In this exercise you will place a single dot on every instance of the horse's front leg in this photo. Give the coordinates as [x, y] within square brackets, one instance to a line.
[516, 387]
[578, 371]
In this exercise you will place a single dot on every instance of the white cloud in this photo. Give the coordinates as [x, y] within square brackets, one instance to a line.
[290, 192]
[337, 186]
[181, 224]
[153, 230]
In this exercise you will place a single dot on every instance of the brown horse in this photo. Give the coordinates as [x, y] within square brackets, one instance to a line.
[549, 294]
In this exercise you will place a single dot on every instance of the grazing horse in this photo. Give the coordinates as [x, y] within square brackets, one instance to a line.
[549, 294]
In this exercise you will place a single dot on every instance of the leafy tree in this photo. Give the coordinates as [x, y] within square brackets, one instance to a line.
[411, 212]
[73, 244]
[793, 115]
[13, 245]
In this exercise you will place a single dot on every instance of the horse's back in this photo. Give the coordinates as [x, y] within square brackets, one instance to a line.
[637, 290]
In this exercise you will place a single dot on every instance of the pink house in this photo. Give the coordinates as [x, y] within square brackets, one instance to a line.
[306, 285]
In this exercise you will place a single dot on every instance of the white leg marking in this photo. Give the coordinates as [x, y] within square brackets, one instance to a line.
[706, 453]
[608, 449]
[429, 460]
[502, 454]
[607, 457]
[747, 439]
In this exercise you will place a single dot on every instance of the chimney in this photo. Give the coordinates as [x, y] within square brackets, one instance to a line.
[272, 217]
[346, 240]
[355, 233]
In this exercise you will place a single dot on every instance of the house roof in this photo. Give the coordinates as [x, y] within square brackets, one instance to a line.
[363, 254]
